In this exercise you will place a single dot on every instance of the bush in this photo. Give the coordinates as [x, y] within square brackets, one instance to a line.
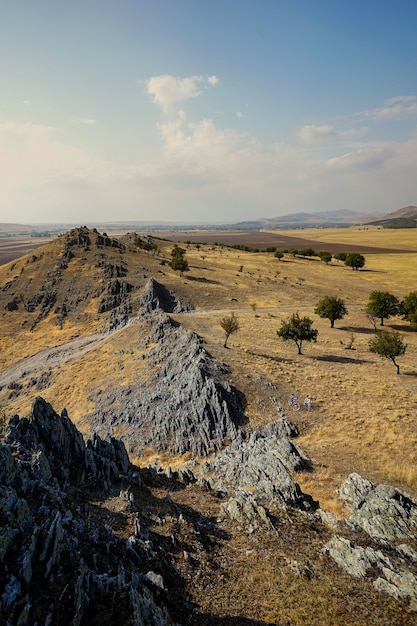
[326, 257]
[355, 260]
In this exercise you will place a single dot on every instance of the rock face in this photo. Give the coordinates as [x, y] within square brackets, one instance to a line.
[183, 404]
[381, 510]
[389, 518]
[264, 465]
[59, 562]
[156, 297]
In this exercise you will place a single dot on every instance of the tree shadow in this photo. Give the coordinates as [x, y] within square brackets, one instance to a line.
[332, 358]
[402, 328]
[203, 279]
[276, 359]
[358, 329]
[409, 373]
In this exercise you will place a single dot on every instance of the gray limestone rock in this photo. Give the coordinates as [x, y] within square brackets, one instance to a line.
[59, 564]
[380, 510]
[184, 404]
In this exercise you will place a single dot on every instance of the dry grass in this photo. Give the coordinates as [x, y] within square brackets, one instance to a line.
[363, 418]
[364, 415]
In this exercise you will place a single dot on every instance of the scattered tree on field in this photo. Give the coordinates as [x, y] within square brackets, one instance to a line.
[389, 345]
[178, 262]
[355, 260]
[278, 255]
[307, 252]
[297, 329]
[408, 308]
[382, 304]
[340, 256]
[331, 308]
[325, 256]
[230, 325]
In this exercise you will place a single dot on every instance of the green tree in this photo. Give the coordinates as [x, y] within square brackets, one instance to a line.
[325, 256]
[307, 252]
[408, 308]
[389, 345]
[278, 255]
[340, 256]
[382, 304]
[230, 325]
[297, 329]
[177, 251]
[331, 308]
[178, 262]
[355, 260]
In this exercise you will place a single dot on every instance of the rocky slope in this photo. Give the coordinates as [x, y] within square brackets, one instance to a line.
[88, 538]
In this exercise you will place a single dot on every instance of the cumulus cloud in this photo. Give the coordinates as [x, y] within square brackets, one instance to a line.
[361, 159]
[398, 108]
[314, 134]
[167, 90]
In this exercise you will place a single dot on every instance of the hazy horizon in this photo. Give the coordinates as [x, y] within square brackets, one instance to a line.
[204, 112]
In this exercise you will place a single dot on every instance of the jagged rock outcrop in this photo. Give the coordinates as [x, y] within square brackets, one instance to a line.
[388, 517]
[245, 510]
[182, 404]
[156, 297]
[381, 510]
[264, 465]
[60, 563]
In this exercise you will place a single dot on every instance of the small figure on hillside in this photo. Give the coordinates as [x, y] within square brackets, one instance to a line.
[307, 402]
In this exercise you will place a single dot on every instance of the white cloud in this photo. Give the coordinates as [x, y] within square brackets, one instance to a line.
[167, 90]
[314, 134]
[83, 120]
[398, 108]
[361, 159]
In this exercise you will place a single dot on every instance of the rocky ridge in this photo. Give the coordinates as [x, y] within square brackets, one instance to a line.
[56, 533]
[185, 403]
[61, 562]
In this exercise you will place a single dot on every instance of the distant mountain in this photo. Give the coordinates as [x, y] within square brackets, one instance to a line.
[405, 217]
[342, 217]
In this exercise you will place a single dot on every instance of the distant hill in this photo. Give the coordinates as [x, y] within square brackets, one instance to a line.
[402, 218]
[342, 217]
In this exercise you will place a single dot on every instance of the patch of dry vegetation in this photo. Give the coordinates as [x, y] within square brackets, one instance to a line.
[363, 417]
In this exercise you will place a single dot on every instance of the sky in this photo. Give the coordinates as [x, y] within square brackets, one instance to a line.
[206, 110]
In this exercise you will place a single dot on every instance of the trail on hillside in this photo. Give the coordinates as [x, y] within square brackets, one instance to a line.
[74, 349]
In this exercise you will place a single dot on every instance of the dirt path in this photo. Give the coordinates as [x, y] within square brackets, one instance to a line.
[50, 357]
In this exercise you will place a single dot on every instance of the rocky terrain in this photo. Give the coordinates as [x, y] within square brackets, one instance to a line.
[93, 532]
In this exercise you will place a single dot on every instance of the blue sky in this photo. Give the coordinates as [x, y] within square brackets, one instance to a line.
[206, 111]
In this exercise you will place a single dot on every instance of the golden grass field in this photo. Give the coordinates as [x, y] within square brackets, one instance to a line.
[364, 416]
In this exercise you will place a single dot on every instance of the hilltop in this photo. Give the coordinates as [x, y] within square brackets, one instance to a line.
[239, 506]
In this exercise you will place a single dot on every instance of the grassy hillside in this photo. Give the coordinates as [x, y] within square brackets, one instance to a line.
[364, 415]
